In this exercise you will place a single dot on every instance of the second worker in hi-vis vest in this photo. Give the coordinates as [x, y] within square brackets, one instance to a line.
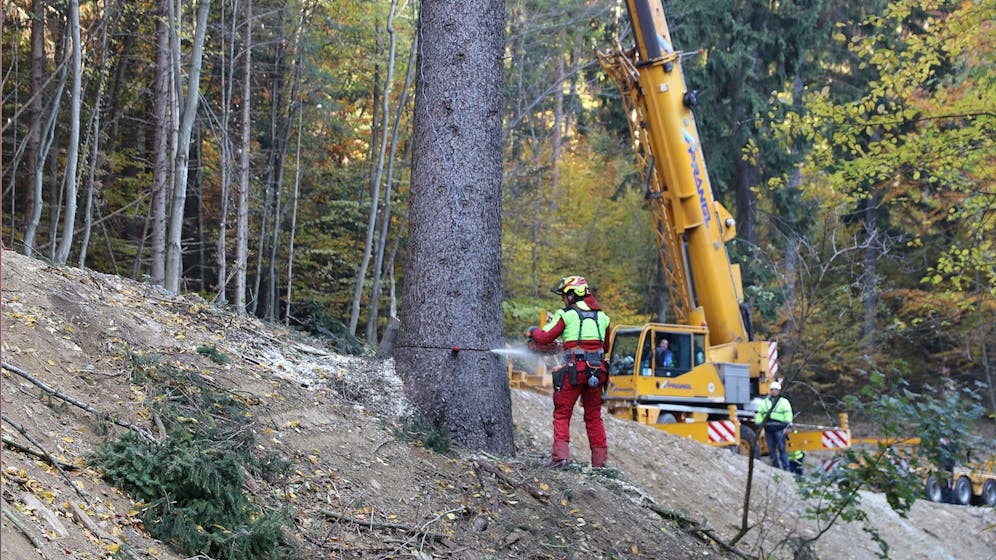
[583, 328]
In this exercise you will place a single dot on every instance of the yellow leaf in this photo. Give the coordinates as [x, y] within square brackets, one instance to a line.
[113, 549]
[68, 439]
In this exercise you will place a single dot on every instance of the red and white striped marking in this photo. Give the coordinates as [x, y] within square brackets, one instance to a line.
[722, 431]
[835, 439]
[828, 465]
[773, 359]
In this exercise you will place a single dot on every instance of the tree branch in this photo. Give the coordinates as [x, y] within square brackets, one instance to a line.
[74, 402]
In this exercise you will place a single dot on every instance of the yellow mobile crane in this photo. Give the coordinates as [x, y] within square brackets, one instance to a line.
[710, 386]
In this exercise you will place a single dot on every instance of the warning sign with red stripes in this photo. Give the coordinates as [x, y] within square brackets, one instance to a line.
[722, 431]
[773, 359]
[836, 439]
[828, 465]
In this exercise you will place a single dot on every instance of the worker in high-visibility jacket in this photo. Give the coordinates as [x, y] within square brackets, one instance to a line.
[777, 422]
[583, 328]
[796, 459]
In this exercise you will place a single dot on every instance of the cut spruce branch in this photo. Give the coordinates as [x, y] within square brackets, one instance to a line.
[58, 394]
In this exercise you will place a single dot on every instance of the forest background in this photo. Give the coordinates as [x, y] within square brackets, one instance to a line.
[854, 142]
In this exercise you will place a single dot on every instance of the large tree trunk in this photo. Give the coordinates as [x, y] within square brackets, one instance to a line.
[174, 253]
[242, 219]
[452, 288]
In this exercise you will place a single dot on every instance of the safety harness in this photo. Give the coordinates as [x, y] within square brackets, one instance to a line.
[592, 360]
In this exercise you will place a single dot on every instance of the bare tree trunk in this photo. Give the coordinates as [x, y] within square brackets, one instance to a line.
[556, 143]
[174, 252]
[354, 316]
[452, 294]
[242, 227]
[869, 276]
[298, 63]
[162, 121]
[293, 224]
[73, 149]
[36, 159]
[95, 136]
[283, 133]
[386, 220]
[227, 82]
[274, 161]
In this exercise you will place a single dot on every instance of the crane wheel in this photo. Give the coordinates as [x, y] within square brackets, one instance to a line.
[748, 439]
[933, 489]
[963, 491]
[988, 497]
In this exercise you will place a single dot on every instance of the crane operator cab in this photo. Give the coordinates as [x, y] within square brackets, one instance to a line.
[656, 352]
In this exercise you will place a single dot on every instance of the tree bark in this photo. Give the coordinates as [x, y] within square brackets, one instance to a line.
[869, 276]
[162, 121]
[452, 288]
[293, 221]
[73, 149]
[227, 164]
[242, 219]
[95, 136]
[174, 252]
[36, 159]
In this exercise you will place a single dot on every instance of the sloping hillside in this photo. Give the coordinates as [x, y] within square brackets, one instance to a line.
[358, 483]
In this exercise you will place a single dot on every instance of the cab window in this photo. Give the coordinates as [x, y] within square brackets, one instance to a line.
[623, 358]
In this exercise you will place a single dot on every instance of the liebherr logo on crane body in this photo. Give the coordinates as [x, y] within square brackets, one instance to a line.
[697, 173]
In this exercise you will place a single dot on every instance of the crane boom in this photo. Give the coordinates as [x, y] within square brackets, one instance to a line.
[707, 382]
[692, 227]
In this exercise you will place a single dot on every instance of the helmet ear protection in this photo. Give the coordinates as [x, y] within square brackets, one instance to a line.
[576, 285]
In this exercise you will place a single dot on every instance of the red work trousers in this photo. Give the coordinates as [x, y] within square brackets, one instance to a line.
[563, 407]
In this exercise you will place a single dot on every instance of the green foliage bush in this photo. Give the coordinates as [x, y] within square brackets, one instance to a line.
[317, 321]
[211, 351]
[934, 415]
[192, 481]
[193, 488]
[419, 428]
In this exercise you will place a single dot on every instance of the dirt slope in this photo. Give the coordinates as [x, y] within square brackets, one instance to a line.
[358, 489]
